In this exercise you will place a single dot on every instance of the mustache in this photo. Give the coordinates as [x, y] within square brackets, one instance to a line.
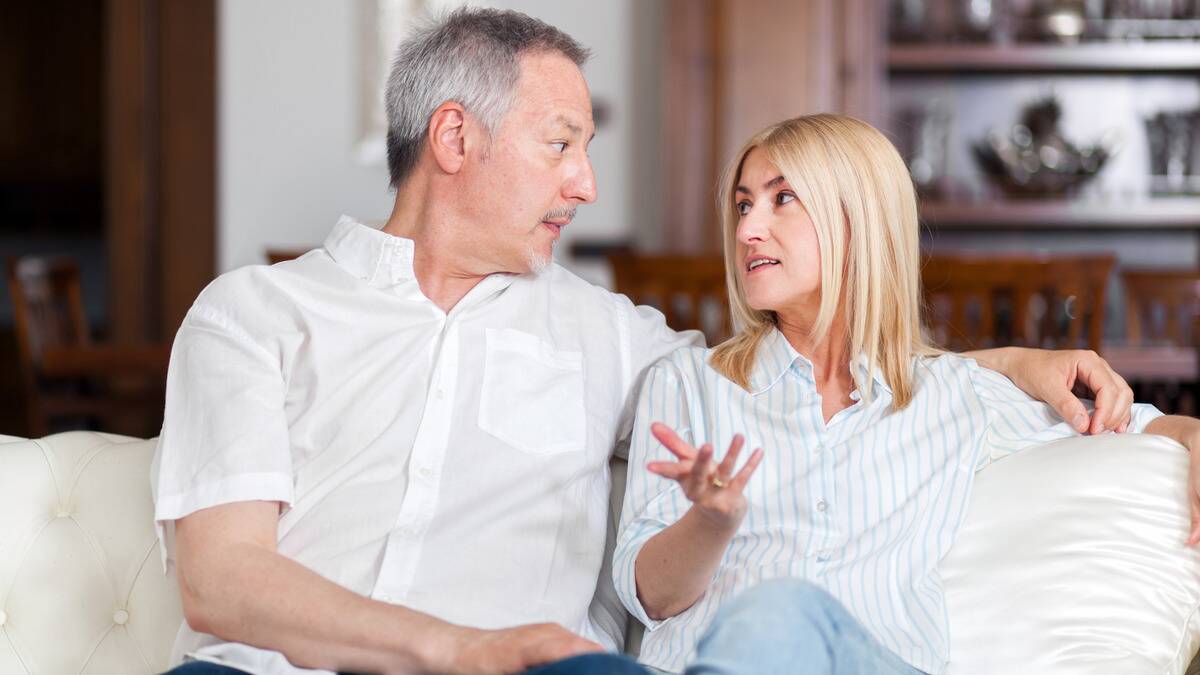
[567, 212]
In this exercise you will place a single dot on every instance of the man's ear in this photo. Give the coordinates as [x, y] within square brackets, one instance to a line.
[447, 135]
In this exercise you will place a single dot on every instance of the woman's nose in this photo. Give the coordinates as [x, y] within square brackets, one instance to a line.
[753, 227]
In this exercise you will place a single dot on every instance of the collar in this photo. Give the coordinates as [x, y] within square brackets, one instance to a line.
[380, 259]
[776, 356]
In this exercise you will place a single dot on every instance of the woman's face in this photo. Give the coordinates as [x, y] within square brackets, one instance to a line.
[780, 262]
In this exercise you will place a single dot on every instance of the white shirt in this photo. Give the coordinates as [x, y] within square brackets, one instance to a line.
[865, 506]
[455, 463]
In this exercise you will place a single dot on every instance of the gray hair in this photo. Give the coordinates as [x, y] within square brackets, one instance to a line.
[470, 57]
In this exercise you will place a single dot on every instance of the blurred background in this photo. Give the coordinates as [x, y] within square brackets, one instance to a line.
[149, 145]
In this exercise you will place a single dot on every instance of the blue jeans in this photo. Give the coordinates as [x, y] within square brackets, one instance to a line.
[779, 627]
[790, 627]
[203, 668]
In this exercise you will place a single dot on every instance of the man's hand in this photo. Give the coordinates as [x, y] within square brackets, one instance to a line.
[1054, 376]
[512, 650]
[1186, 431]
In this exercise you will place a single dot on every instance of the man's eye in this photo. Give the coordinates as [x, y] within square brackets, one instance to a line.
[560, 146]
[743, 207]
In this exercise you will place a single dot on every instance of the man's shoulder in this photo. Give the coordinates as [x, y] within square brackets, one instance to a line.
[252, 285]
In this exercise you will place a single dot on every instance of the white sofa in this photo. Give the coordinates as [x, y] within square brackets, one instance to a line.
[1071, 561]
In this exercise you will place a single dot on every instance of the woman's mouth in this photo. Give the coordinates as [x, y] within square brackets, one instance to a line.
[760, 263]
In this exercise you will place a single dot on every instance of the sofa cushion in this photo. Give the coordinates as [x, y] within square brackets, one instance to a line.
[1072, 560]
[81, 586]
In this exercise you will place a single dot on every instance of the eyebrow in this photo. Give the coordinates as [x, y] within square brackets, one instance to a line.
[773, 183]
[571, 126]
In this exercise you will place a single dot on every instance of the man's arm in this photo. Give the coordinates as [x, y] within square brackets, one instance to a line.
[235, 585]
[1185, 431]
[1050, 376]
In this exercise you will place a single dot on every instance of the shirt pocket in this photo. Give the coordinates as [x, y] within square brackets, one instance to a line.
[532, 394]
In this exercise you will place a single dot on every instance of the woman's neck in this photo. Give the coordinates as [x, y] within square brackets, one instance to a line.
[830, 358]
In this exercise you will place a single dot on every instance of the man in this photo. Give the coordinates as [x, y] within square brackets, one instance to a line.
[390, 455]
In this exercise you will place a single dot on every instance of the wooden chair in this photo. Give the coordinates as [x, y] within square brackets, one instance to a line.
[64, 375]
[278, 255]
[1162, 307]
[1162, 338]
[975, 302]
[688, 290]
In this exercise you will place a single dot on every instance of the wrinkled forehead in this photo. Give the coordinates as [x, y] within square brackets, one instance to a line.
[551, 89]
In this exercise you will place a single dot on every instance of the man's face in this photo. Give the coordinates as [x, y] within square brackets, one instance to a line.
[524, 187]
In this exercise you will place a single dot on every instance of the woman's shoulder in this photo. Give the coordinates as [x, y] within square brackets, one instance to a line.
[946, 368]
[688, 363]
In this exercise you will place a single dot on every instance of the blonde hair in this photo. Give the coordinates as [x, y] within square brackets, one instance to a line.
[858, 193]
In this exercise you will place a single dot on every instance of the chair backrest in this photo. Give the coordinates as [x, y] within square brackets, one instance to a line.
[975, 302]
[278, 255]
[47, 302]
[1162, 307]
[688, 290]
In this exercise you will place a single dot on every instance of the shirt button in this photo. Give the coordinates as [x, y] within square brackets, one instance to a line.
[425, 472]
[821, 505]
[407, 532]
[440, 394]
[823, 555]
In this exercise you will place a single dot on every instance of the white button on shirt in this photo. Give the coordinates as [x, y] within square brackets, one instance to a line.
[453, 463]
[867, 518]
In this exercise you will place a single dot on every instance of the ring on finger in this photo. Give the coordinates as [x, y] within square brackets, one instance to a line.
[717, 482]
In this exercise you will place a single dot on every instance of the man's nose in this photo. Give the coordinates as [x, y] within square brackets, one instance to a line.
[582, 185]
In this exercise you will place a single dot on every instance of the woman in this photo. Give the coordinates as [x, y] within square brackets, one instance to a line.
[870, 437]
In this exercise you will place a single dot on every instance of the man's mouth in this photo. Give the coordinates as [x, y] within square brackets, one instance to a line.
[556, 226]
[559, 218]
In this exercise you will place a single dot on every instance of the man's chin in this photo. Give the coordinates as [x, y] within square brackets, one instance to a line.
[539, 261]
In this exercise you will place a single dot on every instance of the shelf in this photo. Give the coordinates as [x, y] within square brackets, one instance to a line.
[1159, 213]
[1088, 57]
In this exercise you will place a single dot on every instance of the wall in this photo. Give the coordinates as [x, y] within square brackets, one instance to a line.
[289, 85]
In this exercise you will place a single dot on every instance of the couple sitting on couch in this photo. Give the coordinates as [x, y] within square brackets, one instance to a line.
[391, 455]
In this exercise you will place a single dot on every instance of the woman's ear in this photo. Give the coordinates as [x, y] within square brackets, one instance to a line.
[447, 135]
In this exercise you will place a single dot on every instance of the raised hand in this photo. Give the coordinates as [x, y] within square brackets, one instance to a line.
[714, 490]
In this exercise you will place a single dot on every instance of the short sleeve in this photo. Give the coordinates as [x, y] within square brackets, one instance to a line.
[1016, 421]
[652, 503]
[645, 339]
[225, 434]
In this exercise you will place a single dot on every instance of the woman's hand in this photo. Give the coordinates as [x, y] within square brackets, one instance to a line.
[715, 491]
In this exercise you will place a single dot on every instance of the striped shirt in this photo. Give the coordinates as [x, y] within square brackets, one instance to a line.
[864, 506]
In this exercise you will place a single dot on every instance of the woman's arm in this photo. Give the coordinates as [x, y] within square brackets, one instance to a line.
[1050, 376]
[1186, 431]
[675, 566]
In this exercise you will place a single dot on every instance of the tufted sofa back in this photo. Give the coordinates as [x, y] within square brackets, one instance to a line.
[81, 583]
[1070, 561]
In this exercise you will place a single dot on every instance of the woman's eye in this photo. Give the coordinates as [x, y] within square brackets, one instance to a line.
[743, 207]
[560, 146]
[784, 198]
